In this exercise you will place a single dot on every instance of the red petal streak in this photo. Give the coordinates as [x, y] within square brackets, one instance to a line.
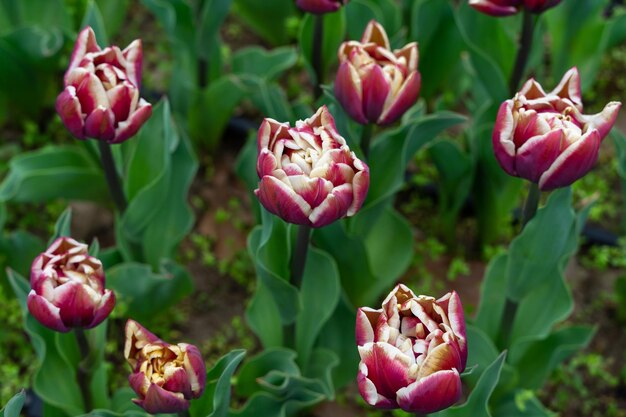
[573, 163]
[538, 154]
[387, 367]
[45, 312]
[406, 97]
[349, 91]
[375, 91]
[69, 109]
[433, 393]
[278, 198]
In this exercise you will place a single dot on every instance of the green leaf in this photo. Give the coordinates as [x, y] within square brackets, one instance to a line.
[135, 283]
[17, 251]
[277, 359]
[75, 174]
[476, 404]
[268, 18]
[64, 396]
[534, 254]
[391, 152]
[206, 120]
[319, 295]
[93, 18]
[492, 299]
[62, 226]
[265, 64]
[212, 17]
[333, 35]
[14, 406]
[216, 398]
[549, 352]
[264, 317]
[521, 403]
[113, 12]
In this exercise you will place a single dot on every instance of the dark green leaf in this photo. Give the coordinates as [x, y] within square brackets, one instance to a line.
[319, 295]
[93, 18]
[277, 359]
[75, 174]
[333, 35]
[62, 226]
[268, 18]
[265, 64]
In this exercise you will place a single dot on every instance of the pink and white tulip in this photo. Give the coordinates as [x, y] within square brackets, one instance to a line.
[412, 351]
[308, 174]
[101, 96]
[545, 138]
[320, 6]
[165, 376]
[373, 83]
[68, 288]
[510, 7]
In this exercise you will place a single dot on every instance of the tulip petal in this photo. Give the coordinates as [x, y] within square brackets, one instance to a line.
[91, 94]
[386, 367]
[106, 307]
[349, 91]
[538, 154]
[368, 391]
[604, 120]
[432, 393]
[366, 319]
[77, 303]
[100, 124]
[135, 338]
[45, 312]
[334, 207]
[312, 190]
[451, 302]
[493, 9]
[85, 43]
[443, 357]
[375, 91]
[569, 87]
[360, 186]
[278, 198]
[319, 6]
[406, 97]
[158, 400]
[69, 109]
[573, 163]
[196, 369]
[129, 128]
[134, 61]
[502, 138]
[375, 32]
[176, 380]
[122, 99]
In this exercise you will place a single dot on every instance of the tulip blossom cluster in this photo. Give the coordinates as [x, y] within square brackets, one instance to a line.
[67, 287]
[308, 174]
[412, 351]
[510, 7]
[165, 376]
[320, 6]
[545, 138]
[101, 96]
[375, 84]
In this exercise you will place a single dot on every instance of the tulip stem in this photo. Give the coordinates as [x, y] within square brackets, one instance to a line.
[84, 373]
[531, 204]
[366, 138]
[318, 38]
[298, 259]
[110, 173]
[528, 27]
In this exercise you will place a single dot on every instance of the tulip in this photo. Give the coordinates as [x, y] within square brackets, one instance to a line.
[308, 174]
[412, 351]
[320, 6]
[101, 96]
[510, 7]
[373, 83]
[165, 377]
[545, 138]
[67, 287]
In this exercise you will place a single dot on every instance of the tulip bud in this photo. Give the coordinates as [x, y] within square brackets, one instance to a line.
[412, 351]
[67, 287]
[308, 174]
[320, 6]
[509, 7]
[545, 138]
[374, 84]
[165, 377]
[101, 96]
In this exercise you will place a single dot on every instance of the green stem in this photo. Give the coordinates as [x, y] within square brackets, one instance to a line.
[318, 38]
[84, 372]
[511, 306]
[528, 27]
[298, 261]
[366, 138]
[110, 173]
